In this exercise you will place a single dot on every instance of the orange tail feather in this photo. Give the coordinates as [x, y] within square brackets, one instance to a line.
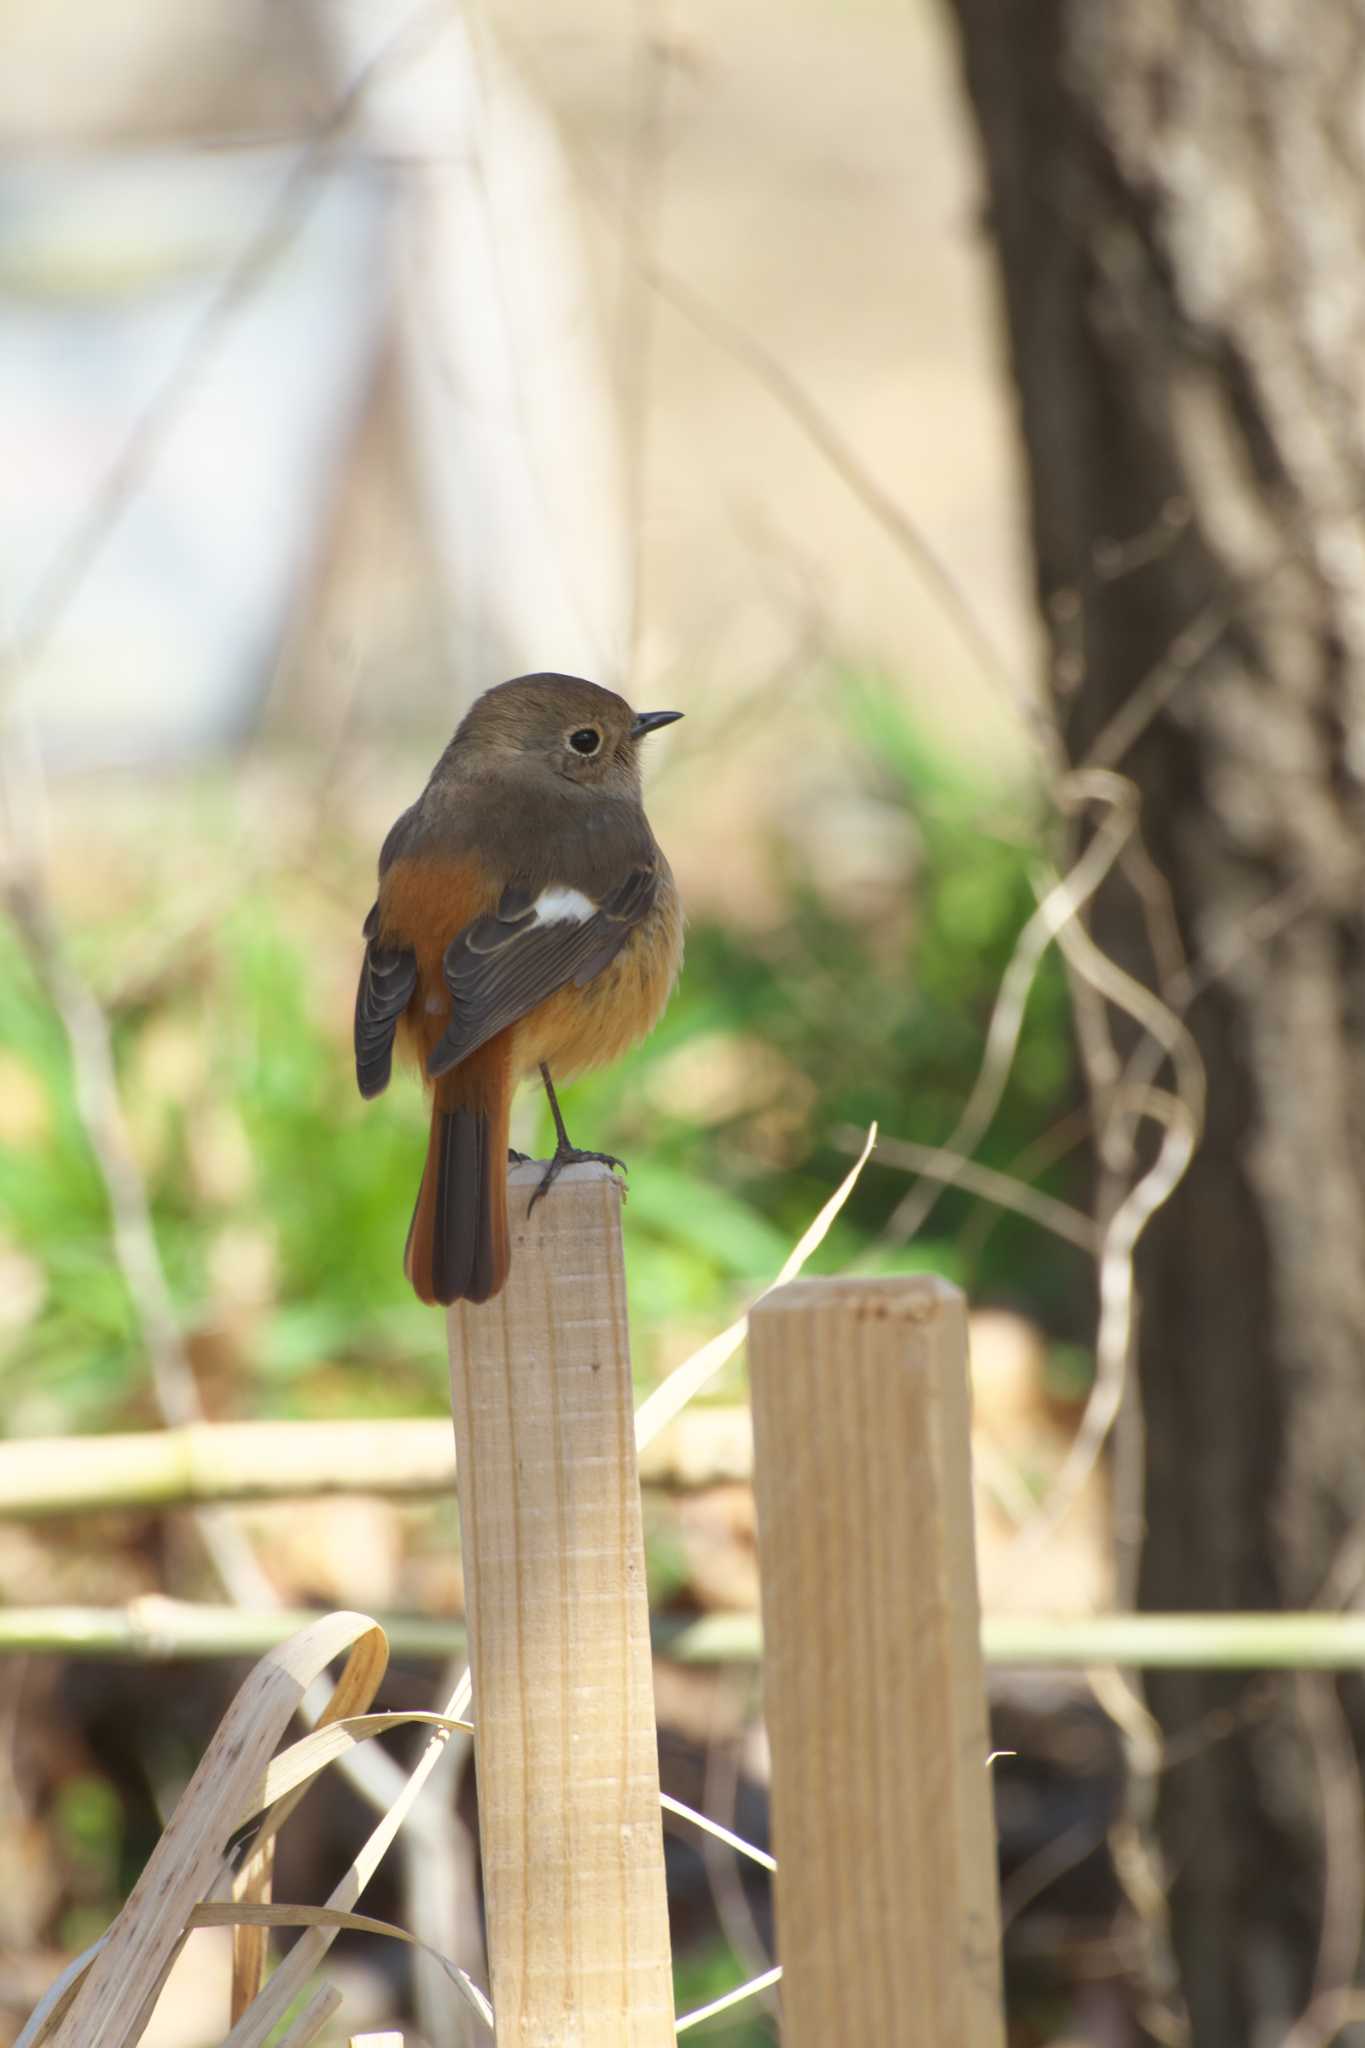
[457, 1246]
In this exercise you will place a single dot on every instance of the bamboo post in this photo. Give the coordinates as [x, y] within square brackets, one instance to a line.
[887, 1908]
[565, 1746]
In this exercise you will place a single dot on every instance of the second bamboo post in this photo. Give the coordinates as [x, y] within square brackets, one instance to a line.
[887, 1912]
[565, 1745]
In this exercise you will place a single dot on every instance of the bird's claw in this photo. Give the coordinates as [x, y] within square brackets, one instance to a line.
[569, 1155]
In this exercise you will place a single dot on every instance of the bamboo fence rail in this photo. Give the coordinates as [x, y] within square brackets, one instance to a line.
[209, 1464]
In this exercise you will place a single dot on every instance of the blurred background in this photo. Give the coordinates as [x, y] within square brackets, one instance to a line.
[356, 355]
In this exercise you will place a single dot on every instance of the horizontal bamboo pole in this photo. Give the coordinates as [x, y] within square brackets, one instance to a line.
[155, 1629]
[208, 1463]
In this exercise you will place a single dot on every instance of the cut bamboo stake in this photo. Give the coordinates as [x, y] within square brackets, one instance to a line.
[887, 1909]
[565, 1745]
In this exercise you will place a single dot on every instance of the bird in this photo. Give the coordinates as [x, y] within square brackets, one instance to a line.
[526, 920]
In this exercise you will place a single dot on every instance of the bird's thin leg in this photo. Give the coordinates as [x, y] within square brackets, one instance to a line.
[565, 1154]
[556, 1112]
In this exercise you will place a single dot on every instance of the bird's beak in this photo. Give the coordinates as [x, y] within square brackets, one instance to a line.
[650, 721]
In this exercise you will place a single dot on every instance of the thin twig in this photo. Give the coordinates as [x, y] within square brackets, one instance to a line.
[1063, 901]
[725, 1882]
[1060, 1854]
[752, 1989]
[641, 210]
[816, 425]
[1005, 1190]
[1135, 1852]
[1337, 1769]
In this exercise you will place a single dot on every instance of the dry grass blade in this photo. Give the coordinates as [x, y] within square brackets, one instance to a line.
[251, 1886]
[123, 1978]
[286, 1778]
[58, 1996]
[729, 1998]
[313, 2018]
[332, 1920]
[108, 1994]
[713, 1827]
[256, 2026]
[673, 1394]
[300, 1764]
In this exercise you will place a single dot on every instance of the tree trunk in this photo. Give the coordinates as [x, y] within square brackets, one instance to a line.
[1177, 192]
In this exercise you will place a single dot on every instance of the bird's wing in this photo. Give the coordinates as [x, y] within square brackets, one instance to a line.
[388, 977]
[502, 965]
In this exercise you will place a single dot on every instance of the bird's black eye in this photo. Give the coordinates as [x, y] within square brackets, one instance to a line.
[586, 740]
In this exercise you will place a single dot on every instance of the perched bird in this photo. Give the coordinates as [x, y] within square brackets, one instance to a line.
[525, 919]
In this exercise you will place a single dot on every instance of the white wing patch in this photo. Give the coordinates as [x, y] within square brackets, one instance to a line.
[558, 905]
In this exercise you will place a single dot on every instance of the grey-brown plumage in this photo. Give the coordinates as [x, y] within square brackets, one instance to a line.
[526, 918]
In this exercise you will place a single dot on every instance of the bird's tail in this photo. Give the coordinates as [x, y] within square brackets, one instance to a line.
[457, 1245]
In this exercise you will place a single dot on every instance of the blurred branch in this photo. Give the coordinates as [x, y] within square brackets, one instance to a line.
[1119, 1110]
[642, 201]
[895, 522]
[1037, 1873]
[1066, 1135]
[1136, 1854]
[819, 429]
[1180, 1116]
[1006, 1191]
[149, 431]
[1064, 900]
[721, 1860]
[1337, 1769]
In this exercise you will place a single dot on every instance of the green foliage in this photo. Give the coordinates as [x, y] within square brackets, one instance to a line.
[87, 1829]
[699, 1975]
[281, 1200]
